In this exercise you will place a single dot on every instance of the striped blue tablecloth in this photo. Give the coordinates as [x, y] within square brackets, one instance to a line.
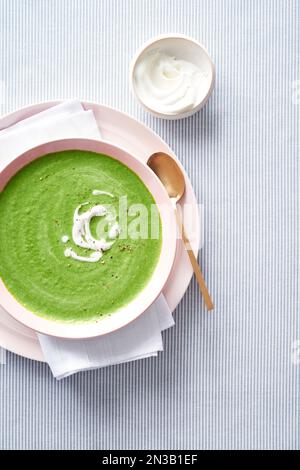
[228, 379]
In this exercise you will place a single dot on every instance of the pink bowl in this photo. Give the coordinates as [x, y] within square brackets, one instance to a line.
[163, 268]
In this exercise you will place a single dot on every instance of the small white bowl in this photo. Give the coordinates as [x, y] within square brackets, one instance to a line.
[181, 47]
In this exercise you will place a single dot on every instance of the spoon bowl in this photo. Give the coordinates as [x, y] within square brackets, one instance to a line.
[169, 173]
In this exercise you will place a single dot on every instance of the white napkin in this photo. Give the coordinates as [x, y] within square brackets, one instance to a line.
[63, 121]
[141, 338]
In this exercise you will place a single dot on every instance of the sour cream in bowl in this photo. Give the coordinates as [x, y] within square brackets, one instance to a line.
[172, 76]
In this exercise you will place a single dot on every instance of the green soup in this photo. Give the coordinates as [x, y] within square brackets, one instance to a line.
[41, 262]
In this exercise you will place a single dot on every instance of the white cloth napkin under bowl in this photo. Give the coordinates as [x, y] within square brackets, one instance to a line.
[141, 338]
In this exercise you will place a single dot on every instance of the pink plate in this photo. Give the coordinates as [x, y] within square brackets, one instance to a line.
[124, 131]
[163, 268]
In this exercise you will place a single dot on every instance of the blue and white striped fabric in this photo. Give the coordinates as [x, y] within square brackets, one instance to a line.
[227, 380]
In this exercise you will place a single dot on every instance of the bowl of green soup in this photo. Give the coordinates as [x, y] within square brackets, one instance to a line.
[87, 238]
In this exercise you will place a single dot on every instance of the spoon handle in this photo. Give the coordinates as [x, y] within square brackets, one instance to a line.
[199, 276]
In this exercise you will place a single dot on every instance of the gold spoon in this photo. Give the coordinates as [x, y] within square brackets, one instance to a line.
[171, 176]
